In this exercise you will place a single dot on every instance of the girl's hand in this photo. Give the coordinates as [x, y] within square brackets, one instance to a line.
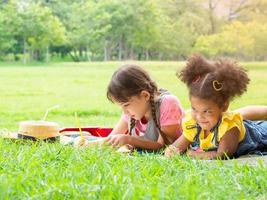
[171, 151]
[80, 141]
[191, 153]
[118, 140]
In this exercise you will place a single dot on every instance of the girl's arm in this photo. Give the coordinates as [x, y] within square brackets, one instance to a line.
[182, 144]
[170, 132]
[118, 140]
[120, 128]
[178, 147]
[253, 112]
[145, 144]
[227, 147]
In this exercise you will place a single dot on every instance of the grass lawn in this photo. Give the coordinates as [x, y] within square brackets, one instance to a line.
[52, 171]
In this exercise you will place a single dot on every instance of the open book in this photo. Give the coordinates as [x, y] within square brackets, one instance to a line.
[88, 140]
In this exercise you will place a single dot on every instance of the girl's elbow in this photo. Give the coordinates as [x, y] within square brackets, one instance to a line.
[160, 145]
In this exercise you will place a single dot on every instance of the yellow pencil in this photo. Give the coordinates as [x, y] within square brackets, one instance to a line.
[78, 125]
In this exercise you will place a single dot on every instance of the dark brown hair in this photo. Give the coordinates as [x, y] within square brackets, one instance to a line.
[128, 81]
[219, 81]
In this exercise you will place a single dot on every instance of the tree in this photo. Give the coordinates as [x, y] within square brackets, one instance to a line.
[234, 39]
[258, 31]
[35, 27]
[181, 23]
[7, 39]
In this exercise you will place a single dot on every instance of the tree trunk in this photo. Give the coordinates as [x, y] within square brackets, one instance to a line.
[160, 56]
[132, 53]
[87, 57]
[31, 56]
[139, 55]
[92, 56]
[47, 59]
[212, 7]
[37, 55]
[147, 55]
[24, 51]
[74, 55]
[81, 58]
[121, 47]
[106, 51]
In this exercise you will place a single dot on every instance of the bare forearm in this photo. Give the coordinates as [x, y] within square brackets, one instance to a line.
[117, 131]
[182, 144]
[206, 155]
[120, 128]
[145, 144]
[113, 133]
[253, 112]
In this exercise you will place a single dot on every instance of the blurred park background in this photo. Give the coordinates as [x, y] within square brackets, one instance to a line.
[104, 30]
[63, 52]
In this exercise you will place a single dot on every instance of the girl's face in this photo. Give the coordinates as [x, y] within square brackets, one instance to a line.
[206, 112]
[137, 106]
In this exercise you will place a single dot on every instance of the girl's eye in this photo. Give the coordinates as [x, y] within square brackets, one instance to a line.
[208, 111]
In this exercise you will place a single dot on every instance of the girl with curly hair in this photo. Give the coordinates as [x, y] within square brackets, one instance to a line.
[210, 130]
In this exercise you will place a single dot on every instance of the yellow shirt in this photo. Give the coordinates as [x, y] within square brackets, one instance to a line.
[229, 121]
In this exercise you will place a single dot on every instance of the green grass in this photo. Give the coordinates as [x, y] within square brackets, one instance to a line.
[52, 171]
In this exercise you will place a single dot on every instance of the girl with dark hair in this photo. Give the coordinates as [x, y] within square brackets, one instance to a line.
[151, 118]
[210, 130]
